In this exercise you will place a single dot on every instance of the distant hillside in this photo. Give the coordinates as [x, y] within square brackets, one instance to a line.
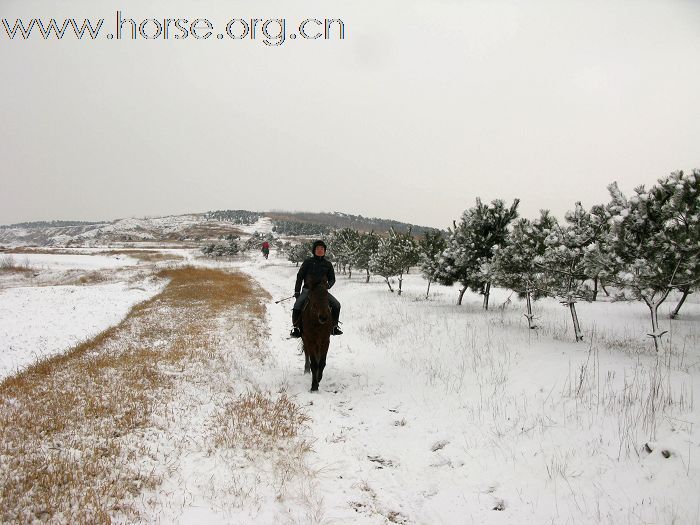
[192, 229]
[305, 223]
[51, 224]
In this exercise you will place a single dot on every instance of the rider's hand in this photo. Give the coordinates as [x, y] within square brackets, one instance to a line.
[296, 295]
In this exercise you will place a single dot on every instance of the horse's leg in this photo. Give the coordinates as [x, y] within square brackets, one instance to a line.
[321, 366]
[314, 373]
[307, 364]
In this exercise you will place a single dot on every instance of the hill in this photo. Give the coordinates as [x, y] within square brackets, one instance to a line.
[192, 229]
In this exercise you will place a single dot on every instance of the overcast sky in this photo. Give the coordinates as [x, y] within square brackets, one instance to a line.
[426, 105]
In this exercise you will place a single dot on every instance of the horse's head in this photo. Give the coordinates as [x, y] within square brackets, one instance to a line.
[318, 299]
[316, 283]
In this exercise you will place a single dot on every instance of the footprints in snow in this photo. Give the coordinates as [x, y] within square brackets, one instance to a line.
[372, 506]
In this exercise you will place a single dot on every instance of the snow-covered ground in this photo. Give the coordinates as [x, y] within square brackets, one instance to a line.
[41, 321]
[50, 261]
[429, 412]
[262, 225]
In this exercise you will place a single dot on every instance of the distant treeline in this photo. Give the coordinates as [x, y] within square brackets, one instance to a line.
[284, 227]
[234, 216]
[325, 222]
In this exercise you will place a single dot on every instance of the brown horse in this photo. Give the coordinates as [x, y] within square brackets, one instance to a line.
[316, 322]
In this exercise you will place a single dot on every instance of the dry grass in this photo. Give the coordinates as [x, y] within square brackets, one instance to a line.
[209, 230]
[257, 420]
[92, 277]
[144, 255]
[10, 265]
[71, 426]
[29, 249]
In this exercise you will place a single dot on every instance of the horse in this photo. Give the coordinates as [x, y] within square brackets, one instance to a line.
[316, 322]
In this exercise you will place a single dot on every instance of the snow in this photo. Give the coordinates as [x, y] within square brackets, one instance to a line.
[42, 321]
[262, 225]
[435, 413]
[50, 261]
[428, 412]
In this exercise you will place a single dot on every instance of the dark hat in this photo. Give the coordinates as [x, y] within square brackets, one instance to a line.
[318, 243]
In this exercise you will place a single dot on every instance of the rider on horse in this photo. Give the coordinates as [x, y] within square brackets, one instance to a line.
[316, 267]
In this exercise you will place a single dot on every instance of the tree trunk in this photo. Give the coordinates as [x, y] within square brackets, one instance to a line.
[686, 292]
[400, 282]
[595, 288]
[602, 285]
[427, 293]
[349, 272]
[487, 292]
[389, 284]
[572, 308]
[367, 276]
[656, 333]
[461, 294]
[574, 318]
[530, 317]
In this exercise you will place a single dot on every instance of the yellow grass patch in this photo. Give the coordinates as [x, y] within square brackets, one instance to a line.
[70, 426]
[144, 255]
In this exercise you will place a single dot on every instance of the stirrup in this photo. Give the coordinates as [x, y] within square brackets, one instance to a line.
[336, 331]
[296, 333]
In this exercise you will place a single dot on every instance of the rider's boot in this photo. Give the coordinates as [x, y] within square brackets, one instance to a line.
[296, 317]
[336, 330]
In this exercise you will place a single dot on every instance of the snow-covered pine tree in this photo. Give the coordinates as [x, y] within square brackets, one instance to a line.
[254, 242]
[409, 252]
[392, 256]
[452, 262]
[431, 246]
[514, 264]
[565, 274]
[648, 251]
[298, 252]
[683, 226]
[367, 246]
[344, 242]
[600, 218]
[231, 247]
[471, 244]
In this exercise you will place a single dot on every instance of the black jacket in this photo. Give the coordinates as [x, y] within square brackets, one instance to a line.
[315, 267]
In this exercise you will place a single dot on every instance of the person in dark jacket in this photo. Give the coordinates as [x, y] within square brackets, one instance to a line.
[317, 267]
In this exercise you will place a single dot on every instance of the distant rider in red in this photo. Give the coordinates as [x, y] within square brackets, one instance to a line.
[265, 249]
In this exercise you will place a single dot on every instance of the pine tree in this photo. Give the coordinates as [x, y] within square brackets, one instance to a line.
[297, 253]
[345, 243]
[470, 247]
[229, 248]
[565, 273]
[683, 226]
[652, 245]
[408, 252]
[514, 264]
[394, 254]
[367, 246]
[431, 247]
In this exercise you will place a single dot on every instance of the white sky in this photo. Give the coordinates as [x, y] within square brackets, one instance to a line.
[424, 106]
